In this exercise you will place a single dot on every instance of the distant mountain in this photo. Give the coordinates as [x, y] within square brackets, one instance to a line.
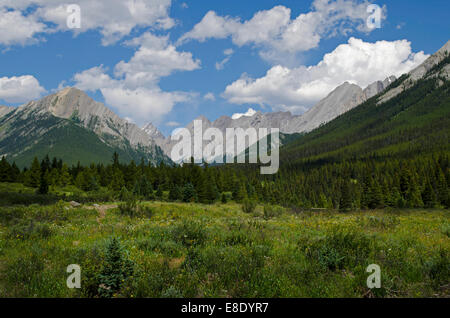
[72, 126]
[342, 99]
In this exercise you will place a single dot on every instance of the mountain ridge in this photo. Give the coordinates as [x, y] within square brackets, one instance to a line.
[340, 100]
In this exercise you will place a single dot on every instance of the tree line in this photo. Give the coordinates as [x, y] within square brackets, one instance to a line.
[420, 182]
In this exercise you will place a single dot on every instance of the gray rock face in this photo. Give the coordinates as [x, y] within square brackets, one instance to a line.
[420, 72]
[72, 103]
[80, 109]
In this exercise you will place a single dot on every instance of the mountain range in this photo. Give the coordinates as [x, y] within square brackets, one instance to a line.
[72, 126]
[342, 99]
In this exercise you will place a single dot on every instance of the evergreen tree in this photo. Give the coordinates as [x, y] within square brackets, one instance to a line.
[5, 171]
[428, 196]
[43, 184]
[345, 202]
[33, 178]
[64, 177]
[189, 193]
[224, 198]
[159, 193]
[175, 193]
[116, 269]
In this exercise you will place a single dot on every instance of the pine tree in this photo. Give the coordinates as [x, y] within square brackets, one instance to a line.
[224, 198]
[43, 184]
[64, 177]
[116, 269]
[175, 193]
[159, 193]
[189, 193]
[376, 200]
[345, 202]
[429, 196]
[33, 178]
[5, 171]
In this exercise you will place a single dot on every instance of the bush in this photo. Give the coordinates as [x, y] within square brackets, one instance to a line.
[340, 248]
[27, 229]
[129, 207]
[248, 206]
[272, 211]
[189, 233]
[172, 292]
[14, 198]
[132, 209]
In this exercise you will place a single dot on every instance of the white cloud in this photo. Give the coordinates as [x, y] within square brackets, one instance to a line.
[249, 113]
[114, 19]
[277, 34]
[94, 79]
[12, 34]
[143, 104]
[133, 89]
[209, 96]
[298, 88]
[154, 59]
[20, 89]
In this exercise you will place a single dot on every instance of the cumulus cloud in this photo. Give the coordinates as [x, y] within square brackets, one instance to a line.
[114, 19]
[143, 104]
[278, 34]
[297, 89]
[20, 89]
[11, 34]
[133, 89]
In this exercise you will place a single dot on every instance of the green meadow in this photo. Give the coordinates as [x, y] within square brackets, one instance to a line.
[161, 249]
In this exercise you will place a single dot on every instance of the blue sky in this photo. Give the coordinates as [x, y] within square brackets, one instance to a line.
[168, 62]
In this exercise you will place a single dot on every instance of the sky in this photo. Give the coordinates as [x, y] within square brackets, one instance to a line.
[169, 61]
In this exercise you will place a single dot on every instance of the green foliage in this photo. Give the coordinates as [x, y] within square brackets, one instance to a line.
[189, 193]
[117, 268]
[248, 206]
[193, 250]
[189, 233]
[271, 211]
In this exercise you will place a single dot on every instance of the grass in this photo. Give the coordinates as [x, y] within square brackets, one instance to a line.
[193, 250]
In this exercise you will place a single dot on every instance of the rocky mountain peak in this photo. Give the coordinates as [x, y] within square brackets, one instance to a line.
[152, 131]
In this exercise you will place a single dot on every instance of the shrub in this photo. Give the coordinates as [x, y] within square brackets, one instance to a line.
[248, 206]
[27, 229]
[272, 211]
[189, 233]
[438, 267]
[129, 207]
[339, 248]
[172, 292]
